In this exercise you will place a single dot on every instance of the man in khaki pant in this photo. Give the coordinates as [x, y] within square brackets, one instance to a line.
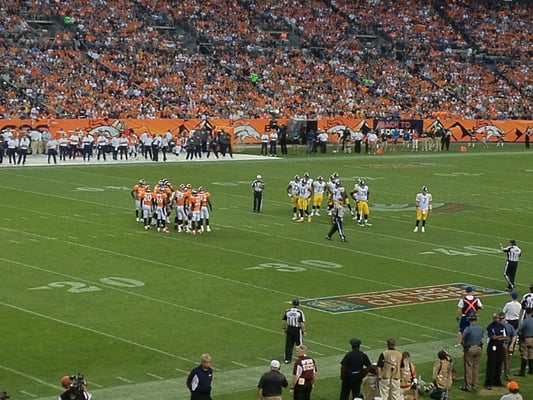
[389, 372]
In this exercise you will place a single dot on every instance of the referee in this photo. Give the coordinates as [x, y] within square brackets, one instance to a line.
[337, 225]
[294, 328]
[513, 255]
[257, 187]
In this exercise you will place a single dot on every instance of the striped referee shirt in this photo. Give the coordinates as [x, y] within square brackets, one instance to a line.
[513, 253]
[294, 317]
[527, 301]
[257, 185]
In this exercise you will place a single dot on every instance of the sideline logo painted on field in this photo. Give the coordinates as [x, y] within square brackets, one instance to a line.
[393, 298]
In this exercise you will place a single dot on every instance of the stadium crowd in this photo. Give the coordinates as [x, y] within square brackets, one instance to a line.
[369, 58]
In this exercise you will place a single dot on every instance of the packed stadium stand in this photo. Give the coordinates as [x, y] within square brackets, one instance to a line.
[257, 59]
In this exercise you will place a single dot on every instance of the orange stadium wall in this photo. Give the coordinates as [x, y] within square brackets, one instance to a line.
[246, 131]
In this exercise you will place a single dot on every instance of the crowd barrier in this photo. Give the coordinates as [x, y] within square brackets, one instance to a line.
[245, 131]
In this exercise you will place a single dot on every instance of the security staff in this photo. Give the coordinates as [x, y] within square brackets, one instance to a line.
[467, 304]
[258, 185]
[495, 352]
[303, 375]
[513, 255]
[472, 342]
[525, 332]
[508, 346]
[294, 328]
[337, 225]
[353, 369]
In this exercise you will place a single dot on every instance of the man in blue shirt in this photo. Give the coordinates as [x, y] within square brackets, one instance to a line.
[200, 378]
[472, 346]
[495, 352]
[525, 332]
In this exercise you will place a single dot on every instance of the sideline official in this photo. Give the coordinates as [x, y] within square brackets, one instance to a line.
[200, 379]
[353, 369]
[258, 185]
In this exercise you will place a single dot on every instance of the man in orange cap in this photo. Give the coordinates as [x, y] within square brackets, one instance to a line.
[513, 394]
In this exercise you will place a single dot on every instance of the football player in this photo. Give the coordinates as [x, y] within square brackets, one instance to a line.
[423, 207]
[137, 192]
[319, 187]
[293, 190]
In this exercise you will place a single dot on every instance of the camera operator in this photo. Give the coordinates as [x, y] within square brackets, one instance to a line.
[76, 388]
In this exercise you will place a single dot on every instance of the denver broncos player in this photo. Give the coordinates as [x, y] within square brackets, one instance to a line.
[161, 201]
[205, 207]
[423, 206]
[147, 206]
[195, 205]
[181, 202]
[137, 192]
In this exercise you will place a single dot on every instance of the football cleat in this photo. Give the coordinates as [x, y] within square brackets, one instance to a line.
[208, 228]
[309, 218]
[423, 229]
[301, 219]
[416, 229]
[317, 214]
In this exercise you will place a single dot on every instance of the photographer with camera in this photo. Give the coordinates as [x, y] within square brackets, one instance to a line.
[76, 388]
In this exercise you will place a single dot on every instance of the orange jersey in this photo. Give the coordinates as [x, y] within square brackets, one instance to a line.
[204, 199]
[148, 198]
[180, 198]
[195, 202]
[160, 199]
[139, 191]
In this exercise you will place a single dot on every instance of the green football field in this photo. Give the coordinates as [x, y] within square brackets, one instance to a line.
[85, 289]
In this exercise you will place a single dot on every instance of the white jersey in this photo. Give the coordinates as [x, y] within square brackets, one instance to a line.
[330, 186]
[294, 188]
[423, 200]
[305, 190]
[362, 193]
[338, 193]
[319, 187]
